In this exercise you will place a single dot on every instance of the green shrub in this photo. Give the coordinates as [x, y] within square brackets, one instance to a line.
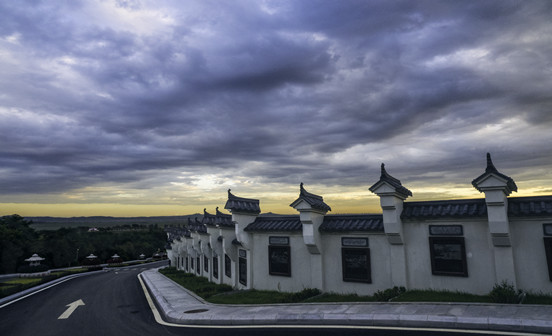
[504, 293]
[32, 269]
[303, 295]
[389, 293]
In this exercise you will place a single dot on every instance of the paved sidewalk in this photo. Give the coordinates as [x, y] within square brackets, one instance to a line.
[177, 305]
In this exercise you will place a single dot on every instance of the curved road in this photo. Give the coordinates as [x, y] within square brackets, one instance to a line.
[114, 304]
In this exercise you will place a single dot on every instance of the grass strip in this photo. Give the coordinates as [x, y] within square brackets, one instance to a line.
[416, 295]
[224, 294]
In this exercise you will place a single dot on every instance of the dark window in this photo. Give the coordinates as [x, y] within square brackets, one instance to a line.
[187, 268]
[548, 249]
[205, 264]
[215, 267]
[242, 267]
[356, 264]
[227, 266]
[192, 261]
[448, 256]
[279, 260]
[198, 268]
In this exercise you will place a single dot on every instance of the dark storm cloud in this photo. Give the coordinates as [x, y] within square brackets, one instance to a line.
[279, 91]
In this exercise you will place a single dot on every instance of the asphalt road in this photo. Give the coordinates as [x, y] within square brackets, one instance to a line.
[114, 304]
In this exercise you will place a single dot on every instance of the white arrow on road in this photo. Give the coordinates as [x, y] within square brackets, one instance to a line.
[71, 309]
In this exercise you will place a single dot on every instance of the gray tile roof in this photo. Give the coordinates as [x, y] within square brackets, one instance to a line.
[218, 219]
[208, 219]
[440, 209]
[223, 219]
[176, 233]
[352, 222]
[196, 226]
[240, 204]
[395, 183]
[491, 170]
[315, 201]
[530, 206]
[275, 223]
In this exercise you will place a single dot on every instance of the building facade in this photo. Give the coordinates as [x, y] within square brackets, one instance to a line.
[466, 245]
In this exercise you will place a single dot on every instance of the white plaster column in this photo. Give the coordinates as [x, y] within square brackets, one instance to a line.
[392, 195]
[312, 210]
[497, 187]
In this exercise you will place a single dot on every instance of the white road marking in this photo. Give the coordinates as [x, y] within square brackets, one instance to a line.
[72, 307]
[160, 320]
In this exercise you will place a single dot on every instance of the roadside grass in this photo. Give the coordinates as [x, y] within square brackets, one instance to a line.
[199, 285]
[224, 294]
[250, 297]
[15, 285]
[440, 296]
[125, 264]
[333, 297]
[254, 296]
[538, 298]
[22, 281]
[69, 271]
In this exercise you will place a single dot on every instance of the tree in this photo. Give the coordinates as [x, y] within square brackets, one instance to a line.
[16, 238]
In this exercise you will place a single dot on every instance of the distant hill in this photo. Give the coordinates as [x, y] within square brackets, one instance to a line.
[54, 223]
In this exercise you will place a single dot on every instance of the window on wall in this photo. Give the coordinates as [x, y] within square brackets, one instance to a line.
[192, 262]
[198, 268]
[242, 267]
[547, 228]
[215, 267]
[187, 268]
[447, 250]
[227, 266]
[279, 256]
[205, 264]
[548, 250]
[355, 260]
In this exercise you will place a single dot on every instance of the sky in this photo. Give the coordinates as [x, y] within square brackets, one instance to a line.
[149, 108]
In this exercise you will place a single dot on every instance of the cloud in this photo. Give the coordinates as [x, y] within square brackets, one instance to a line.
[133, 94]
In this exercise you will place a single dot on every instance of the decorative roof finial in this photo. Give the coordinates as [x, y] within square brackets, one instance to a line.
[490, 165]
[491, 170]
[395, 183]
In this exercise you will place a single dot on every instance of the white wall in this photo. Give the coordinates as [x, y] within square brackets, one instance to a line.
[529, 255]
[526, 236]
[300, 264]
[479, 256]
[379, 262]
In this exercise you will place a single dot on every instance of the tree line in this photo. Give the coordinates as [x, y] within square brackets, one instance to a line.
[70, 246]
